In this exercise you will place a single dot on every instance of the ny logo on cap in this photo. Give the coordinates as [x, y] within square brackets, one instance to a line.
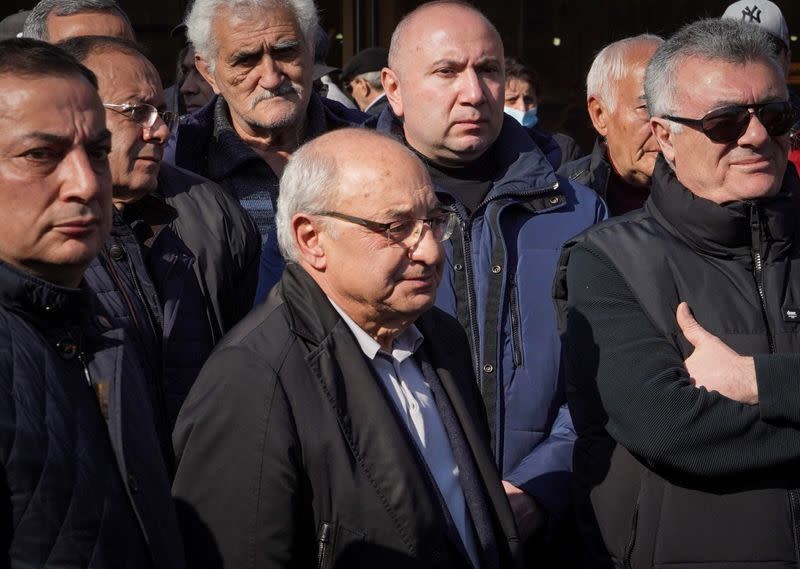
[751, 14]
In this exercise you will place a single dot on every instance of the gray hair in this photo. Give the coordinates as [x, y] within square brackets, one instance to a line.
[36, 22]
[309, 184]
[373, 78]
[200, 18]
[610, 66]
[395, 46]
[714, 39]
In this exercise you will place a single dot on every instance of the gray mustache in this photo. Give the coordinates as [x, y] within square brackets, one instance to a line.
[266, 94]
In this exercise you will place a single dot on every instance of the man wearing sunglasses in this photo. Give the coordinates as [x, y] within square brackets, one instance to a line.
[339, 425]
[670, 472]
[180, 268]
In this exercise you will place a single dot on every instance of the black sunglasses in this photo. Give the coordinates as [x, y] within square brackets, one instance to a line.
[728, 124]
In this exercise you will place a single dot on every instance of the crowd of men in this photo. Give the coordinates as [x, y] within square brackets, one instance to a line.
[277, 331]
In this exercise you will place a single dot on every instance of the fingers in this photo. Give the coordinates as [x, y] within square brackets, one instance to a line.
[689, 326]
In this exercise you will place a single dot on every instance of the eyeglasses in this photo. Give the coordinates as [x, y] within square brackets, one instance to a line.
[730, 123]
[405, 232]
[143, 114]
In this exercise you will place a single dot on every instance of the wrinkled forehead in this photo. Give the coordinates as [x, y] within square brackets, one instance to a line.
[245, 24]
[119, 71]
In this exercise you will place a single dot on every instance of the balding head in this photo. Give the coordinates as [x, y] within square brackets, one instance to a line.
[445, 81]
[358, 213]
[617, 106]
[332, 164]
[401, 33]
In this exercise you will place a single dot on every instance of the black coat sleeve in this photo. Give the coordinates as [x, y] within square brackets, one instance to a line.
[778, 378]
[237, 482]
[639, 380]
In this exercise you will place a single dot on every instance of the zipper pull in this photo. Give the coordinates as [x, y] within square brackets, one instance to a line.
[82, 358]
[324, 540]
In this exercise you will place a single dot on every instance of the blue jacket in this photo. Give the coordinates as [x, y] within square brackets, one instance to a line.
[83, 484]
[206, 144]
[498, 282]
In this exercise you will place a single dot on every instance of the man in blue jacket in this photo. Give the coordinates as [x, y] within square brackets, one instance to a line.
[445, 85]
[83, 483]
[259, 57]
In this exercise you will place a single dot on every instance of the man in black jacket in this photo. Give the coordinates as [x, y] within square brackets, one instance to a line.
[339, 424]
[82, 481]
[671, 473]
[181, 267]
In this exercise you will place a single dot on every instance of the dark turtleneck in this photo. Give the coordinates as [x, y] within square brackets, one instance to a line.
[469, 184]
[621, 196]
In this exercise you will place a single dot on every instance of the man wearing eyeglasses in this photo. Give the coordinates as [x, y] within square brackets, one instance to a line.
[671, 472]
[181, 265]
[339, 424]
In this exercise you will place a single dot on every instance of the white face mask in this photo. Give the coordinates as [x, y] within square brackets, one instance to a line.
[525, 118]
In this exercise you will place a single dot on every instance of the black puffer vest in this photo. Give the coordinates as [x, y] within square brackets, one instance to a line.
[738, 267]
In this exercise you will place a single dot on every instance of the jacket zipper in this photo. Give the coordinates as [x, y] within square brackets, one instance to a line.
[466, 240]
[516, 332]
[140, 293]
[626, 560]
[323, 545]
[82, 359]
[755, 231]
[758, 265]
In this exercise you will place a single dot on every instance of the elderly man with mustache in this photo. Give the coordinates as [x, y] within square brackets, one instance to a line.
[259, 58]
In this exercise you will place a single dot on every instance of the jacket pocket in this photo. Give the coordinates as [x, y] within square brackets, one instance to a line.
[338, 545]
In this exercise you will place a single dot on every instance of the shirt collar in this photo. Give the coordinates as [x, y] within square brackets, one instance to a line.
[375, 101]
[404, 345]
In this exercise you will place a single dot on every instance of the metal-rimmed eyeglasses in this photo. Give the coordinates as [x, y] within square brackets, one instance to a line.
[143, 114]
[404, 232]
[728, 124]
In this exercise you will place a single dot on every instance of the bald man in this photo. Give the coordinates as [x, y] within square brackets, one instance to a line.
[339, 424]
[445, 84]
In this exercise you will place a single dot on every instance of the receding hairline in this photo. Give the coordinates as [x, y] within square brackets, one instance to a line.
[346, 142]
[401, 30]
[84, 48]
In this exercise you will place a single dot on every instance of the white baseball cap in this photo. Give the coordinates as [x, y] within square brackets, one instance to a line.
[762, 13]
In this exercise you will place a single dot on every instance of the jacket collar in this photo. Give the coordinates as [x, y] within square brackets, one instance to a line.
[599, 167]
[208, 133]
[39, 300]
[382, 447]
[723, 230]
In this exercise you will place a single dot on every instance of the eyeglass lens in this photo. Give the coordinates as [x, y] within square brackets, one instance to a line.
[730, 123]
[409, 232]
[146, 115]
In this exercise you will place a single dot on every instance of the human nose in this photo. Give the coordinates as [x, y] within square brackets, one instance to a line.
[269, 72]
[84, 180]
[158, 133]
[756, 133]
[189, 86]
[471, 88]
[426, 248]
